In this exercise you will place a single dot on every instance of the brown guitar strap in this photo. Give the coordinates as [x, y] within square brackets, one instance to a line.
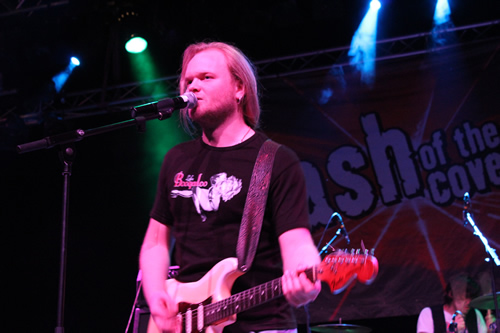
[255, 205]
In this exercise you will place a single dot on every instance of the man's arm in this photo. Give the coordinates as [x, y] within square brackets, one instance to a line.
[298, 252]
[425, 323]
[154, 263]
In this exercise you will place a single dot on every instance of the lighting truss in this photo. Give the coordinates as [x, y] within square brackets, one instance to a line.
[120, 98]
[12, 7]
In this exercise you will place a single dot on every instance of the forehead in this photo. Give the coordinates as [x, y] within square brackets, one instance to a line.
[207, 61]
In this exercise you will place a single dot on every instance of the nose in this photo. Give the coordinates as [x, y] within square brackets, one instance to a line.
[193, 85]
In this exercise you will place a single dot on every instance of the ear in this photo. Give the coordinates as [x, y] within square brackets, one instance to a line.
[450, 294]
[240, 91]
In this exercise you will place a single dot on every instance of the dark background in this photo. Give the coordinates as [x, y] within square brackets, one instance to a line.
[36, 43]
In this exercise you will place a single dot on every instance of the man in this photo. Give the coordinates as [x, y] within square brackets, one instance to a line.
[460, 290]
[202, 191]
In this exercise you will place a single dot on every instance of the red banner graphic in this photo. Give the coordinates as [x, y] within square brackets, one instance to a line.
[395, 160]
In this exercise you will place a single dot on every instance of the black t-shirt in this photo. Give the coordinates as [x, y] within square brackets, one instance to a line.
[201, 195]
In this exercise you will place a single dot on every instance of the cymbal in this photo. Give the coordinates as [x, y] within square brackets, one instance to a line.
[340, 328]
[485, 302]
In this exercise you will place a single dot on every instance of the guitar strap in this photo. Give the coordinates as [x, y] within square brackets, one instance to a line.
[255, 205]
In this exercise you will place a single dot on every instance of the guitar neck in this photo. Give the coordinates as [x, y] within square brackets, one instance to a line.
[248, 299]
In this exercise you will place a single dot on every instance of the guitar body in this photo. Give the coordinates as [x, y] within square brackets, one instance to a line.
[213, 287]
[208, 306]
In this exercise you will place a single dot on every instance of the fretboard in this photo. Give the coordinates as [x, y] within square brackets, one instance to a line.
[246, 299]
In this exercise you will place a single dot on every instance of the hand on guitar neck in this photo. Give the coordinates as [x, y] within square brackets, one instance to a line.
[298, 288]
[208, 306]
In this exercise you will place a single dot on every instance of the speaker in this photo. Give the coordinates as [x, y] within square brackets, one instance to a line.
[141, 319]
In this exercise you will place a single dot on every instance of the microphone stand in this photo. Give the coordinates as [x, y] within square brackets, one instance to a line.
[493, 259]
[66, 141]
[325, 248]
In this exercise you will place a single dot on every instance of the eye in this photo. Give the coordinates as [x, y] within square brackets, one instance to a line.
[208, 77]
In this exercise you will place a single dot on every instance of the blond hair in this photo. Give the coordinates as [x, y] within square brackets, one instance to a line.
[242, 71]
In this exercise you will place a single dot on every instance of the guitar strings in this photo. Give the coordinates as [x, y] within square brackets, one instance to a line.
[210, 310]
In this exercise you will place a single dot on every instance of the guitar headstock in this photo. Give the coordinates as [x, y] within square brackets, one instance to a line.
[340, 268]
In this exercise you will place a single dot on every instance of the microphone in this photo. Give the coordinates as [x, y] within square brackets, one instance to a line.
[466, 207]
[166, 106]
[466, 201]
[343, 230]
[453, 324]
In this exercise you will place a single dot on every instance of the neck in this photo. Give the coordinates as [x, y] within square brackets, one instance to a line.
[450, 308]
[230, 133]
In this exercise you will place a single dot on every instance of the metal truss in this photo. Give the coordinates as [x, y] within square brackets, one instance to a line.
[120, 97]
[116, 98]
[13, 7]
[439, 39]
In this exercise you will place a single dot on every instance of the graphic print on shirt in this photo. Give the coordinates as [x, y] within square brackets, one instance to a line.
[206, 199]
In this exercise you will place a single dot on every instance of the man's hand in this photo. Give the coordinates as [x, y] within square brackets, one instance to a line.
[298, 250]
[460, 321]
[298, 289]
[490, 321]
[164, 312]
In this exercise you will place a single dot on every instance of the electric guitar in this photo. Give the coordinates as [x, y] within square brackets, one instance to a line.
[208, 306]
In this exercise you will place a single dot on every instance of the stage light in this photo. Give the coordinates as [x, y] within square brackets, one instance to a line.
[363, 44]
[75, 61]
[136, 44]
[61, 78]
[132, 28]
[441, 31]
[442, 12]
[375, 4]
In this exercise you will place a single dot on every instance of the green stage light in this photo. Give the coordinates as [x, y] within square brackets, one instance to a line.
[136, 44]
[160, 136]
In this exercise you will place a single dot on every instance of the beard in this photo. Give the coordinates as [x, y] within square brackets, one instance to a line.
[212, 117]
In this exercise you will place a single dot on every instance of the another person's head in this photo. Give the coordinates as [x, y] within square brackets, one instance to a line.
[460, 290]
[241, 72]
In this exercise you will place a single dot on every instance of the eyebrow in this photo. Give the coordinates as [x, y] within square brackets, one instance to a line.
[188, 77]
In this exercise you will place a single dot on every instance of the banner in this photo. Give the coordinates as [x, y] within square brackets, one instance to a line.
[395, 159]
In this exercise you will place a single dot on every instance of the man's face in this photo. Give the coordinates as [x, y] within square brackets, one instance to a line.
[462, 304]
[208, 77]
